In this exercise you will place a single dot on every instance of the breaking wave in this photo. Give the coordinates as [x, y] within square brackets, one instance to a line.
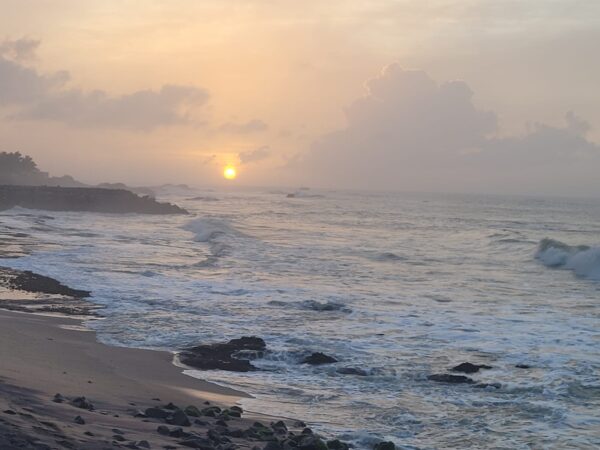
[584, 261]
[207, 229]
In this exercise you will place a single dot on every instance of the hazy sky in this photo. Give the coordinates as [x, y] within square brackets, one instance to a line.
[450, 95]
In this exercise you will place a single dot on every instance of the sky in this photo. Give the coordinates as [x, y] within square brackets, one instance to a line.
[487, 96]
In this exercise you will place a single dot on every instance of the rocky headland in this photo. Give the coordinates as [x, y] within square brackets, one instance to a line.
[53, 198]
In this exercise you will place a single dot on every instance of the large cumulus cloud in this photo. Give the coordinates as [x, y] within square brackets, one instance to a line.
[409, 132]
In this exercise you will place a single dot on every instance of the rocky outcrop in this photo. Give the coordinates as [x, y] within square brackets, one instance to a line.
[452, 379]
[318, 358]
[117, 201]
[222, 356]
[467, 367]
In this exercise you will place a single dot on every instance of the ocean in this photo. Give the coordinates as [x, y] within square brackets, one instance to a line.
[400, 286]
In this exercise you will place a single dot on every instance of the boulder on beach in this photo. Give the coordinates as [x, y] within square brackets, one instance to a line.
[222, 356]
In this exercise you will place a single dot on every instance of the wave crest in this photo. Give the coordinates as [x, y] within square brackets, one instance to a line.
[584, 261]
[208, 229]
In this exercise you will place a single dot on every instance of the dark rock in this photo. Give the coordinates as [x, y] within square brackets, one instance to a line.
[58, 398]
[202, 423]
[192, 411]
[157, 413]
[279, 427]
[236, 433]
[119, 438]
[311, 442]
[337, 445]
[178, 418]
[117, 431]
[32, 282]
[82, 403]
[299, 424]
[197, 442]
[232, 413]
[352, 371]
[522, 366]
[170, 406]
[318, 358]
[211, 411]
[222, 356]
[89, 433]
[486, 385]
[453, 379]
[179, 433]
[164, 430]
[221, 423]
[143, 444]
[273, 445]
[385, 446]
[79, 420]
[9, 412]
[467, 367]
[237, 408]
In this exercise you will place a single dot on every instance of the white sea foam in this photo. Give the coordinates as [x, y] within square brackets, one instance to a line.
[207, 229]
[581, 259]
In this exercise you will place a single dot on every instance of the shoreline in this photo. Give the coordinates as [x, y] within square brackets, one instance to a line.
[62, 388]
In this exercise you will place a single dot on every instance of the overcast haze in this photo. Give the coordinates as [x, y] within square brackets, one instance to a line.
[455, 95]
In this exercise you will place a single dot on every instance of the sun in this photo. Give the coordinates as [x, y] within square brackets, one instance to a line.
[230, 173]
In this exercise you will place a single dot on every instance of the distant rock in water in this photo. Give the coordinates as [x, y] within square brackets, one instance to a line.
[467, 367]
[222, 356]
[452, 379]
[318, 358]
[118, 201]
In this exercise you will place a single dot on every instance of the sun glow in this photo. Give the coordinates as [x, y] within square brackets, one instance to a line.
[230, 173]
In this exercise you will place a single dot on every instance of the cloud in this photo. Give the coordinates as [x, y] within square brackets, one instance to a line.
[36, 96]
[20, 84]
[141, 110]
[22, 49]
[252, 126]
[254, 155]
[409, 132]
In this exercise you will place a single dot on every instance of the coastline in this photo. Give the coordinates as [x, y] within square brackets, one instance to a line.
[132, 398]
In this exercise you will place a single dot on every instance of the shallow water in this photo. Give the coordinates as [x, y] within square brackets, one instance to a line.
[399, 285]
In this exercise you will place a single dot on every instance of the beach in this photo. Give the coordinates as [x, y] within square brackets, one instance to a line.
[61, 388]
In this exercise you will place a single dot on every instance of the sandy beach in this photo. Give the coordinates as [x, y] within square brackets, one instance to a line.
[61, 388]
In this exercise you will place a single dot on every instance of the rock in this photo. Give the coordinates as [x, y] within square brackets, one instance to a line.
[318, 358]
[299, 424]
[178, 418]
[453, 379]
[192, 411]
[156, 413]
[10, 412]
[211, 411]
[143, 444]
[232, 413]
[197, 442]
[164, 430]
[178, 433]
[273, 445]
[79, 420]
[58, 398]
[522, 366]
[170, 406]
[467, 367]
[337, 445]
[488, 385]
[118, 438]
[222, 356]
[311, 442]
[82, 403]
[385, 446]
[237, 408]
[89, 433]
[279, 427]
[352, 371]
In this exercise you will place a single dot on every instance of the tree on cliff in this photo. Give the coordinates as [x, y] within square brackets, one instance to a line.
[16, 168]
